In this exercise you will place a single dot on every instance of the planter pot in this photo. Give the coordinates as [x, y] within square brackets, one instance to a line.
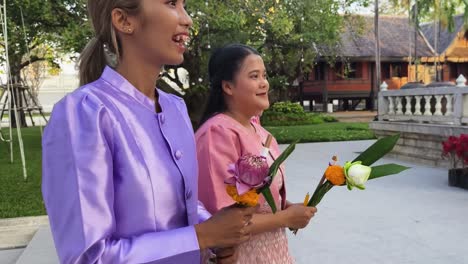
[458, 178]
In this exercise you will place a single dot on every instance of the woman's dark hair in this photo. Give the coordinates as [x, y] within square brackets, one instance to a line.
[224, 64]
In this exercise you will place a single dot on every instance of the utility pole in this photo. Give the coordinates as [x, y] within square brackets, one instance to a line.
[377, 56]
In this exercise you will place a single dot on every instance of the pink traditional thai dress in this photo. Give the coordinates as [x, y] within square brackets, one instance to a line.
[221, 141]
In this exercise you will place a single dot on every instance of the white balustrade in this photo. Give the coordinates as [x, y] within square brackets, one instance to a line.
[449, 105]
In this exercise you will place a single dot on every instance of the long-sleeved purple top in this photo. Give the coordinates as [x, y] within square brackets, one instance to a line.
[120, 180]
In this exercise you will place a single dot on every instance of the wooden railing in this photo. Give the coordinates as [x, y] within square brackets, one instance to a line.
[438, 105]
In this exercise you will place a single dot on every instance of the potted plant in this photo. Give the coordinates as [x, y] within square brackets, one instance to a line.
[456, 150]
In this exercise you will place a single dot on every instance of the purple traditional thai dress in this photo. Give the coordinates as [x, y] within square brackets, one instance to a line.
[120, 180]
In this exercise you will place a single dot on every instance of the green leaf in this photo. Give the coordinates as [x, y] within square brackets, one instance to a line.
[319, 193]
[377, 150]
[275, 166]
[386, 169]
[269, 198]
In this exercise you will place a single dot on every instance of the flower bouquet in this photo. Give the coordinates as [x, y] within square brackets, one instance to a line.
[354, 174]
[251, 176]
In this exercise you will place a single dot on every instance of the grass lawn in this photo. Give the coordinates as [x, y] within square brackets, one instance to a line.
[19, 197]
[322, 132]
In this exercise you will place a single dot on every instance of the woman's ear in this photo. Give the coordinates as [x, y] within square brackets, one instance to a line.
[227, 87]
[122, 22]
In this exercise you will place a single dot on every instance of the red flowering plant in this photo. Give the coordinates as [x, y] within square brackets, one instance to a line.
[456, 150]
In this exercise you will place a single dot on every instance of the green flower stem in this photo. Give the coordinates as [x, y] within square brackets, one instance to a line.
[319, 193]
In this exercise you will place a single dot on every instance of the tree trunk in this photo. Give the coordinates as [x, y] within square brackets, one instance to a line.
[17, 97]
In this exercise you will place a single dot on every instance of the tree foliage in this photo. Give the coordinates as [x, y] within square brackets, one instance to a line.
[287, 33]
[37, 25]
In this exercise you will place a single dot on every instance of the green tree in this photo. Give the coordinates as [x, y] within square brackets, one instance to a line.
[37, 25]
[288, 34]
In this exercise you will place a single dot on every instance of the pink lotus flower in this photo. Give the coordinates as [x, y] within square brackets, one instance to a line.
[250, 171]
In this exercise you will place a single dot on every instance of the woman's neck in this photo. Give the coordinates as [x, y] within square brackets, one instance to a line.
[142, 77]
[243, 119]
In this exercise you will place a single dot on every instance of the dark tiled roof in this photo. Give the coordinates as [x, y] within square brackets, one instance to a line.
[446, 37]
[396, 34]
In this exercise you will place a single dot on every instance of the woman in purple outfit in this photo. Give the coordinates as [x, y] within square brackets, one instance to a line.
[119, 158]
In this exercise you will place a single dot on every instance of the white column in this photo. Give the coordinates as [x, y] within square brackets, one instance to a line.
[427, 106]
[408, 105]
[417, 106]
[391, 106]
[438, 106]
[399, 105]
[449, 105]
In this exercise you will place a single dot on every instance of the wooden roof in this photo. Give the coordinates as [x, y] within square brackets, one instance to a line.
[446, 38]
[396, 34]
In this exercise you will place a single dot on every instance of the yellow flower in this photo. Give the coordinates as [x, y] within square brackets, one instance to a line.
[249, 198]
[335, 174]
[261, 21]
[271, 9]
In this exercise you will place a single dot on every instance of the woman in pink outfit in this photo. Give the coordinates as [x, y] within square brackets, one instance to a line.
[230, 129]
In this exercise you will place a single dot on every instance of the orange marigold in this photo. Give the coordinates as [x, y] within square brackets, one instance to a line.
[335, 174]
[249, 198]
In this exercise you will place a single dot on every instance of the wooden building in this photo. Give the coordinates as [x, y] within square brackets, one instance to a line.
[352, 78]
[452, 49]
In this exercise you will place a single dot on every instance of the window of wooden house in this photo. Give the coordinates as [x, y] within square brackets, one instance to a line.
[350, 70]
[385, 71]
[319, 72]
[453, 70]
[399, 70]
[391, 70]
[338, 69]
[354, 70]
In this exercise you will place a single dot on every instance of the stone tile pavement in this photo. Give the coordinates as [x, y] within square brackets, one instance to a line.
[413, 217]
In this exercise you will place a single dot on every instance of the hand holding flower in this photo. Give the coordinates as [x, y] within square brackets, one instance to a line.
[298, 216]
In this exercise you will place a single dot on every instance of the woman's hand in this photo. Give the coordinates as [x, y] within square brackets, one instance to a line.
[227, 228]
[298, 216]
[226, 255]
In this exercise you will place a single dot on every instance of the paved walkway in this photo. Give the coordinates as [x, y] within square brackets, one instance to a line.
[413, 217]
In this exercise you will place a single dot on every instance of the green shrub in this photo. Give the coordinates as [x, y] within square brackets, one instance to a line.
[291, 114]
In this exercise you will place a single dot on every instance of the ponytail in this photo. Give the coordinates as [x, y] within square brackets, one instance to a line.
[92, 61]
